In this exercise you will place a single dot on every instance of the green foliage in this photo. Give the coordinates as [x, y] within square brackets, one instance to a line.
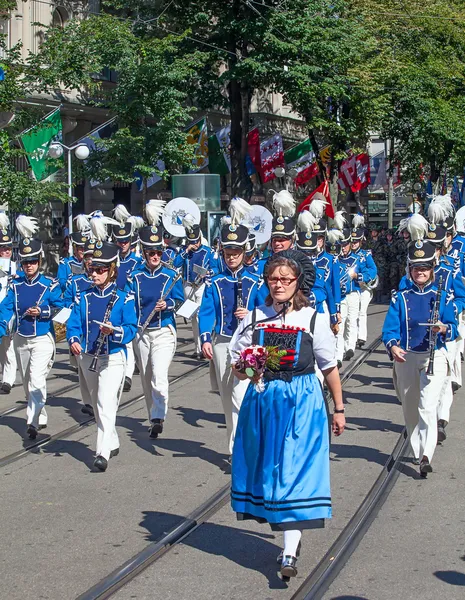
[274, 357]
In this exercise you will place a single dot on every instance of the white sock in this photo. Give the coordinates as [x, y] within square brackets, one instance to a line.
[291, 541]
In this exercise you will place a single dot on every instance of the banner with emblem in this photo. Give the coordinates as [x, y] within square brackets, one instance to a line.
[219, 157]
[271, 156]
[197, 136]
[36, 142]
[301, 158]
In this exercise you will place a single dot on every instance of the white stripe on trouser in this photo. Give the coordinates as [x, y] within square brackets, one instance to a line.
[231, 389]
[35, 357]
[365, 299]
[130, 360]
[446, 395]
[197, 298]
[155, 350]
[8, 360]
[105, 386]
[347, 336]
[419, 394]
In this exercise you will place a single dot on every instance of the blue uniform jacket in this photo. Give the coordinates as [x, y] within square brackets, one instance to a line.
[348, 263]
[254, 266]
[90, 306]
[75, 285]
[126, 267]
[68, 267]
[186, 260]
[169, 254]
[329, 264]
[321, 294]
[147, 288]
[410, 307]
[23, 294]
[219, 302]
[369, 270]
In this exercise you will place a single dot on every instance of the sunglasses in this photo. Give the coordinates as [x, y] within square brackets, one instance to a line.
[98, 270]
[154, 253]
[30, 262]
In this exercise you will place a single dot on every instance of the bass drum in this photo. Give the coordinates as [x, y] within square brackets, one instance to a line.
[460, 220]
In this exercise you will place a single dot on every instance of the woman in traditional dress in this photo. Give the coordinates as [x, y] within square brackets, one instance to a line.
[280, 464]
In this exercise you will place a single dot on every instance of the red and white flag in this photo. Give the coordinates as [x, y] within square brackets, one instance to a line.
[362, 162]
[347, 173]
[272, 156]
[323, 188]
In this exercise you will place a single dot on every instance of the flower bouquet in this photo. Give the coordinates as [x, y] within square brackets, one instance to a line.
[255, 359]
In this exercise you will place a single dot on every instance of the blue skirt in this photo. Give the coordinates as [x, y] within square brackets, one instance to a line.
[280, 463]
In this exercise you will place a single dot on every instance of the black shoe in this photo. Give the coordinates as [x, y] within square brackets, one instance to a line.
[441, 431]
[127, 384]
[288, 567]
[156, 428]
[6, 388]
[114, 453]
[455, 387]
[43, 426]
[279, 560]
[101, 463]
[87, 410]
[425, 467]
[31, 432]
[339, 364]
[360, 343]
[348, 355]
[200, 356]
[461, 356]
[416, 461]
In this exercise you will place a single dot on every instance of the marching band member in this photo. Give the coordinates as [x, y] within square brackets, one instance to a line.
[30, 299]
[367, 281]
[72, 265]
[103, 321]
[8, 266]
[158, 292]
[195, 253]
[252, 254]
[420, 359]
[228, 298]
[283, 226]
[352, 269]
[128, 262]
[280, 463]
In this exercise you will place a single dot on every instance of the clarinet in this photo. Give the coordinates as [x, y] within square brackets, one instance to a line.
[102, 336]
[163, 297]
[240, 301]
[433, 334]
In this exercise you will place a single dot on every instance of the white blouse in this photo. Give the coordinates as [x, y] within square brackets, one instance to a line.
[324, 341]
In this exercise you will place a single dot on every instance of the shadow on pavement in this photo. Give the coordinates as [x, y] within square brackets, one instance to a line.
[192, 416]
[78, 450]
[451, 577]
[370, 424]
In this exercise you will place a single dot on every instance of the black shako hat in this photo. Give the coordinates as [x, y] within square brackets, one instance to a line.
[307, 240]
[151, 236]
[234, 236]
[251, 244]
[436, 233]
[104, 254]
[29, 249]
[283, 227]
[306, 270]
[421, 253]
[122, 232]
[5, 238]
[78, 238]
[89, 247]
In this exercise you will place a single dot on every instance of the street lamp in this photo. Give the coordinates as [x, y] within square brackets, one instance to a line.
[81, 151]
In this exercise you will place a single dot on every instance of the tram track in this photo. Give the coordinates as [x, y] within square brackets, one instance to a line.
[62, 435]
[329, 566]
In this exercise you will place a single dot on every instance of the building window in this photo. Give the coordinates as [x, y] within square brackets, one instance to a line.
[59, 17]
[4, 34]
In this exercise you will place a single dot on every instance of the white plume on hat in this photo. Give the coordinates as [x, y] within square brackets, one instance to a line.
[440, 208]
[226, 220]
[317, 206]
[136, 222]
[239, 209]
[188, 222]
[121, 213]
[98, 225]
[284, 204]
[83, 224]
[154, 210]
[358, 221]
[334, 235]
[306, 221]
[416, 225]
[27, 226]
[339, 221]
[4, 220]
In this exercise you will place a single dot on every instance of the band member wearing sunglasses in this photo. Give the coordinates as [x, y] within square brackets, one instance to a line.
[30, 299]
[103, 321]
[228, 298]
[158, 292]
[72, 265]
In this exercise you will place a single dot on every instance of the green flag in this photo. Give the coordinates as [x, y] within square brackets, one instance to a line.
[218, 152]
[36, 141]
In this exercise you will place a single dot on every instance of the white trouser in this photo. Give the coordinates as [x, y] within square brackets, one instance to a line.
[105, 386]
[155, 350]
[231, 389]
[85, 394]
[197, 298]
[35, 356]
[365, 299]
[446, 395]
[419, 394]
[347, 336]
[130, 360]
[8, 360]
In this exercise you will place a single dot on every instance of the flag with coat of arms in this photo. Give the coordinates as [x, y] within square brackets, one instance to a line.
[271, 156]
